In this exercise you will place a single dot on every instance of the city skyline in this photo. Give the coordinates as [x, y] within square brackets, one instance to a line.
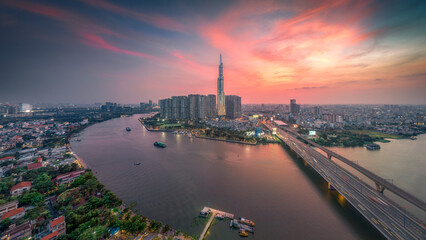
[318, 52]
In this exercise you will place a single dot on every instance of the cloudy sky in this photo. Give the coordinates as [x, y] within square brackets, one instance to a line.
[337, 51]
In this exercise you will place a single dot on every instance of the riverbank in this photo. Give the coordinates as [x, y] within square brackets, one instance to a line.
[226, 140]
[132, 225]
[154, 130]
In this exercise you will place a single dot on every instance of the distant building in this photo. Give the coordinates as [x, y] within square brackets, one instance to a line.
[211, 108]
[420, 119]
[233, 106]
[317, 111]
[294, 108]
[198, 107]
[25, 107]
[221, 102]
[195, 107]
[20, 188]
[165, 108]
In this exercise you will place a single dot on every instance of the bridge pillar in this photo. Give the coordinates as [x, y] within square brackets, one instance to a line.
[330, 187]
[380, 188]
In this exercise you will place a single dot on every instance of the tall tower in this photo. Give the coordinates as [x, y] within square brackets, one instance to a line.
[220, 91]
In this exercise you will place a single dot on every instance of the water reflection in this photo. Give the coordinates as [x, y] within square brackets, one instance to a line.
[265, 183]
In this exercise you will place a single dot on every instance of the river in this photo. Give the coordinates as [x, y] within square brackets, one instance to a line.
[265, 183]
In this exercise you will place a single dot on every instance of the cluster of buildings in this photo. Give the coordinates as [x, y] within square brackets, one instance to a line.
[26, 159]
[198, 107]
[32, 134]
[391, 119]
[15, 109]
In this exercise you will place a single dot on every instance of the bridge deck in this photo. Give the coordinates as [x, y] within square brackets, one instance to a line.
[391, 187]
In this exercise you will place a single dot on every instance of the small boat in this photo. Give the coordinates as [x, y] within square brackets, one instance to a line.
[246, 222]
[243, 233]
[372, 146]
[220, 216]
[160, 144]
[137, 164]
[128, 129]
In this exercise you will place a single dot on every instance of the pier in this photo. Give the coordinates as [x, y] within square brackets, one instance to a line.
[214, 213]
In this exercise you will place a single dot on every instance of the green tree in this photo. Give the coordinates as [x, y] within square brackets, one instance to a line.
[32, 198]
[4, 225]
[43, 183]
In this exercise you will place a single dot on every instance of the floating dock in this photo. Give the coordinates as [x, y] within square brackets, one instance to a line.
[214, 212]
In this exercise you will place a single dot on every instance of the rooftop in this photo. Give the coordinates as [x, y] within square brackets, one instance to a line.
[20, 185]
[12, 213]
[50, 236]
[57, 221]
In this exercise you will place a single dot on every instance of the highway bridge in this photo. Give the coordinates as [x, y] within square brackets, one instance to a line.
[386, 216]
[381, 183]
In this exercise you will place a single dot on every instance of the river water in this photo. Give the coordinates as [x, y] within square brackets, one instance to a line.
[266, 183]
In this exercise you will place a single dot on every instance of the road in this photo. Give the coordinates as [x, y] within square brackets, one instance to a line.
[385, 215]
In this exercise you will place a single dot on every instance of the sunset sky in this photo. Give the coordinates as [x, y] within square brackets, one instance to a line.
[319, 52]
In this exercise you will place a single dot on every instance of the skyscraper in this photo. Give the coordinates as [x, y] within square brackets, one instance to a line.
[294, 108]
[233, 106]
[221, 111]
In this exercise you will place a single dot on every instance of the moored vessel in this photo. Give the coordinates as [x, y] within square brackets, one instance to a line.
[160, 144]
[373, 146]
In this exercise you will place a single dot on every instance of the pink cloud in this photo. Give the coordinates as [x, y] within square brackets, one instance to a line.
[98, 42]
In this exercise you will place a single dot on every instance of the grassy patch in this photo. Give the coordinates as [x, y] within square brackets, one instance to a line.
[375, 134]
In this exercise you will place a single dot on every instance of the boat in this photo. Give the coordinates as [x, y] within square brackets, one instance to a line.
[246, 222]
[220, 216]
[160, 144]
[234, 223]
[137, 164]
[373, 146]
[128, 129]
[243, 233]
[413, 137]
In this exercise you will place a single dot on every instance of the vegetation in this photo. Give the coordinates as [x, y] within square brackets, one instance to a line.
[375, 134]
[345, 138]
[221, 133]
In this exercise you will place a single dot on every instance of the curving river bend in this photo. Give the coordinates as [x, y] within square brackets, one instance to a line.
[266, 184]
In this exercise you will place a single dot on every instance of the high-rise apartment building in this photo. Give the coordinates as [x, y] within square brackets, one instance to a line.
[221, 111]
[211, 109]
[233, 106]
[294, 108]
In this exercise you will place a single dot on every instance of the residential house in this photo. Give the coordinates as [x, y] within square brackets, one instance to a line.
[20, 188]
[14, 214]
[68, 177]
[18, 232]
[58, 225]
[4, 208]
[36, 165]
